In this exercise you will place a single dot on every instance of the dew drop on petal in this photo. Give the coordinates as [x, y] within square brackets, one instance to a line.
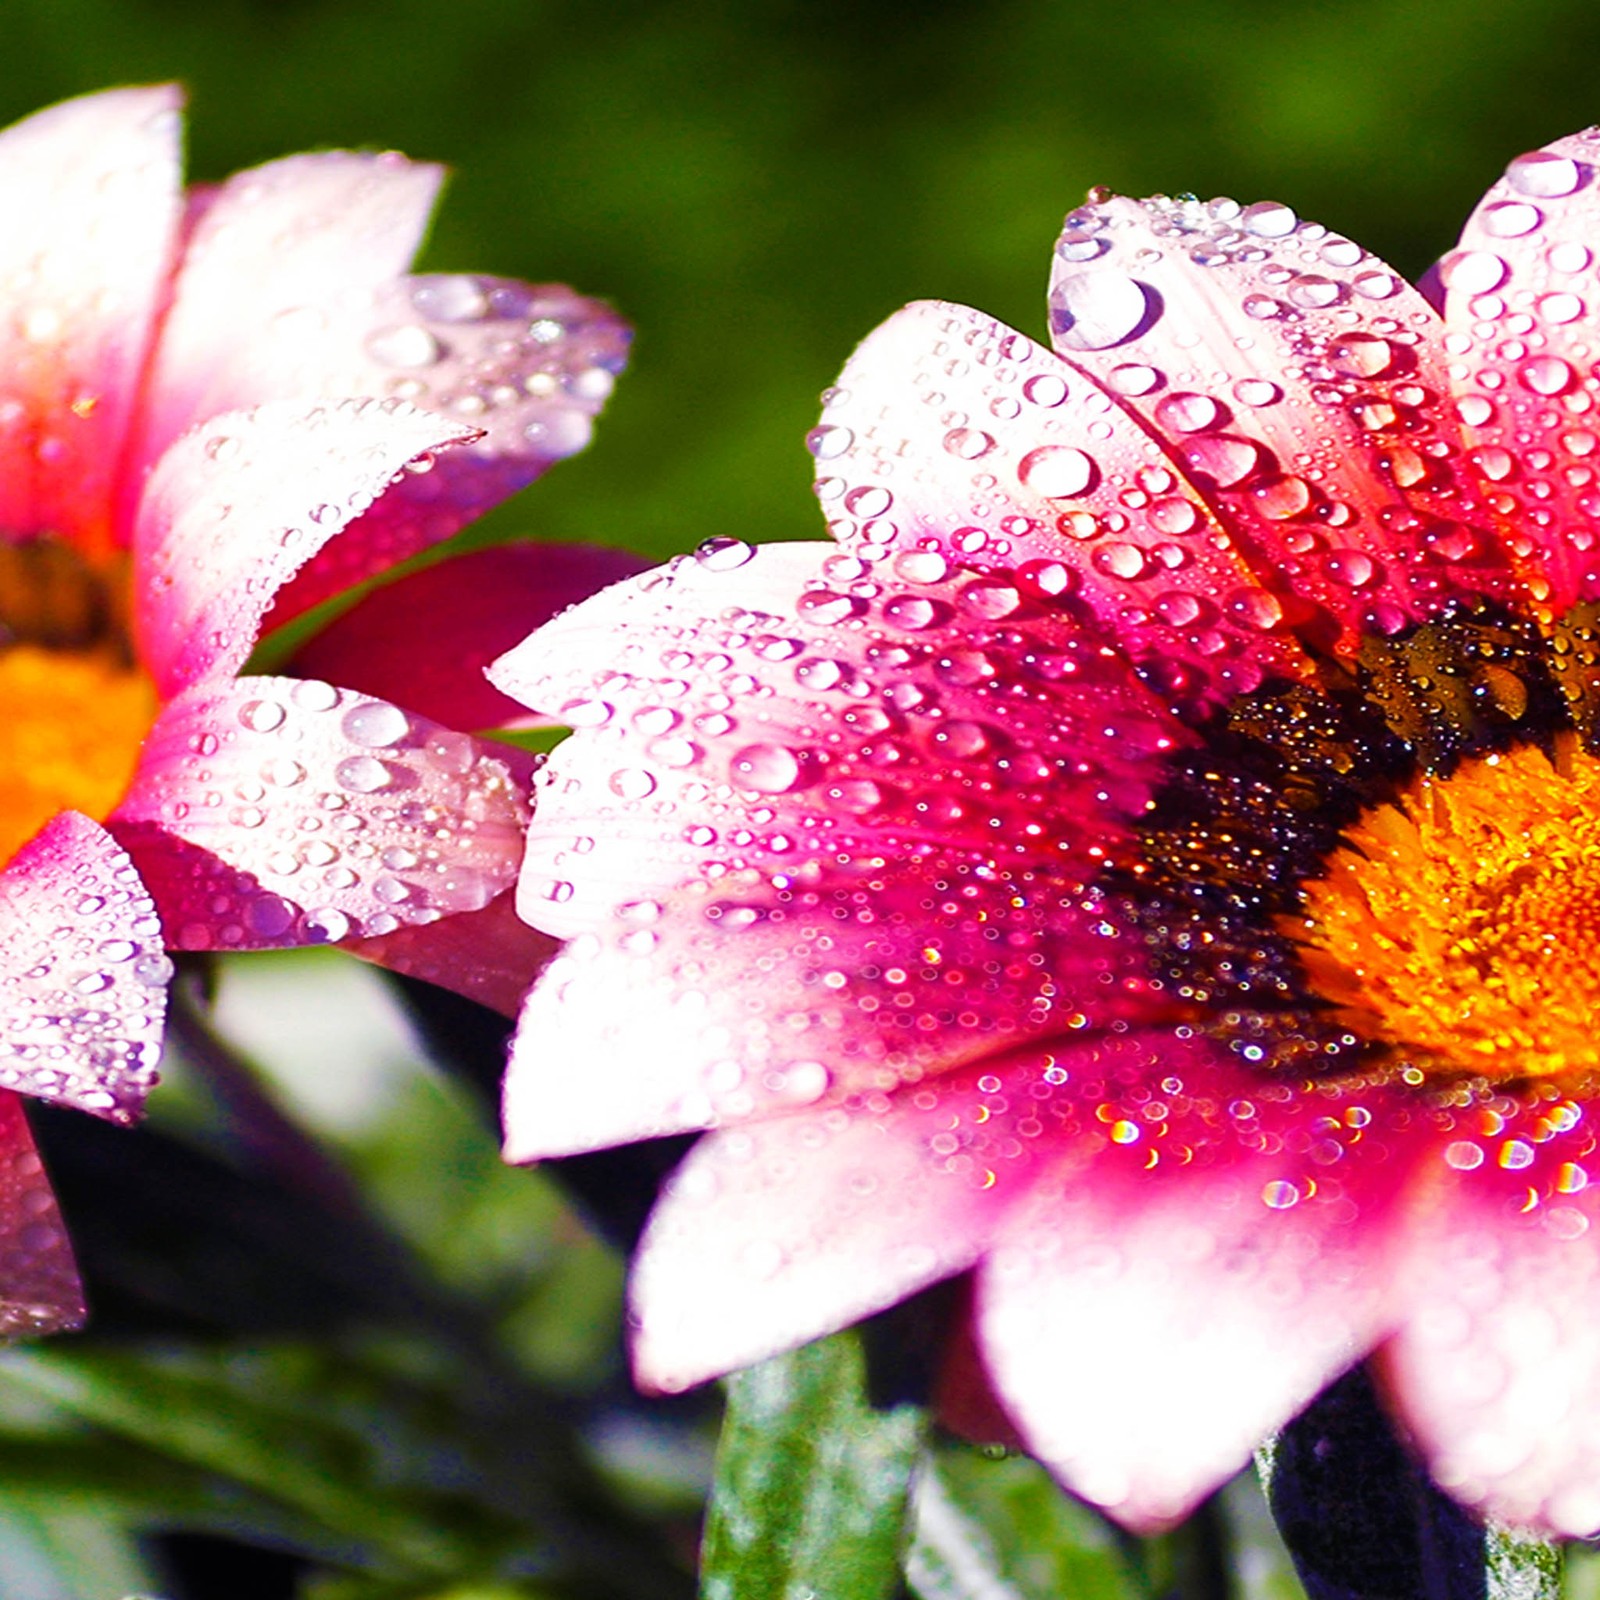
[766, 768]
[1057, 472]
[1472, 271]
[1133, 378]
[1269, 219]
[1097, 310]
[1511, 219]
[1188, 413]
[1544, 175]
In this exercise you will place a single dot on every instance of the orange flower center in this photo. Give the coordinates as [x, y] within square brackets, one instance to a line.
[74, 710]
[1462, 924]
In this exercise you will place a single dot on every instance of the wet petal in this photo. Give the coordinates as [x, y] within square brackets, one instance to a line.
[39, 1289]
[292, 285]
[948, 431]
[83, 978]
[762, 709]
[1211, 1274]
[491, 956]
[270, 812]
[238, 506]
[91, 193]
[473, 608]
[775, 1233]
[267, 255]
[1522, 313]
[529, 365]
[1301, 382]
[1497, 1369]
[749, 994]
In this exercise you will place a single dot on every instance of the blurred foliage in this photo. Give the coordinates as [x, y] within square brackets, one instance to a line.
[337, 1335]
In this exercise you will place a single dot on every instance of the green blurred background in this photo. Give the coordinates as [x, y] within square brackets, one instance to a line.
[756, 183]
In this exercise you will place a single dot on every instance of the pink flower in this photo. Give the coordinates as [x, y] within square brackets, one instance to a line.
[1150, 859]
[196, 395]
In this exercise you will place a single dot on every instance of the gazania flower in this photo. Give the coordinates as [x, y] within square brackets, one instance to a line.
[1149, 859]
[197, 396]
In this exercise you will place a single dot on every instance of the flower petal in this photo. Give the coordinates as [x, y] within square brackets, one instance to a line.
[39, 1288]
[270, 812]
[948, 431]
[778, 1232]
[752, 709]
[91, 191]
[473, 608]
[1209, 1293]
[1301, 382]
[491, 956]
[268, 254]
[238, 506]
[1497, 1369]
[530, 365]
[1521, 313]
[291, 286]
[82, 974]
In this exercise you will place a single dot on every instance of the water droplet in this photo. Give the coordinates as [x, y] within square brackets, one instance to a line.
[262, 716]
[1188, 413]
[1463, 1155]
[1133, 378]
[1268, 219]
[1280, 1194]
[911, 612]
[362, 774]
[922, 566]
[632, 783]
[1560, 308]
[1282, 498]
[829, 442]
[968, 444]
[1224, 458]
[1474, 410]
[1352, 568]
[1544, 175]
[767, 768]
[1046, 389]
[722, 554]
[312, 694]
[1472, 271]
[1361, 355]
[1313, 292]
[375, 724]
[586, 713]
[859, 795]
[1097, 310]
[1511, 219]
[1057, 472]
[1122, 560]
[1546, 375]
[1173, 515]
[1256, 392]
[1569, 256]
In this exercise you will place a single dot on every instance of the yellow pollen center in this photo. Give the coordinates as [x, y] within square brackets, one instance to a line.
[1462, 924]
[71, 723]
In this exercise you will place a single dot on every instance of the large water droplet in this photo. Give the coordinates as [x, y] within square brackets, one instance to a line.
[1544, 175]
[1096, 310]
[1269, 219]
[1472, 271]
[1057, 472]
[767, 768]
[1188, 413]
[1510, 219]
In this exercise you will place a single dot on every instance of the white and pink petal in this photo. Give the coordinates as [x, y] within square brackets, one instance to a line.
[238, 506]
[950, 433]
[1211, 1273]
[92, 190]
[83, 975]
[270, 812]
[1301, 384]
[1521, 315]
[786, 1229]
[1496, 1371]
[760, 709]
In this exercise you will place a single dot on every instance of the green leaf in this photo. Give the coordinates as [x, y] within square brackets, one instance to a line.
[1001, 1529]
[811, 1482]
